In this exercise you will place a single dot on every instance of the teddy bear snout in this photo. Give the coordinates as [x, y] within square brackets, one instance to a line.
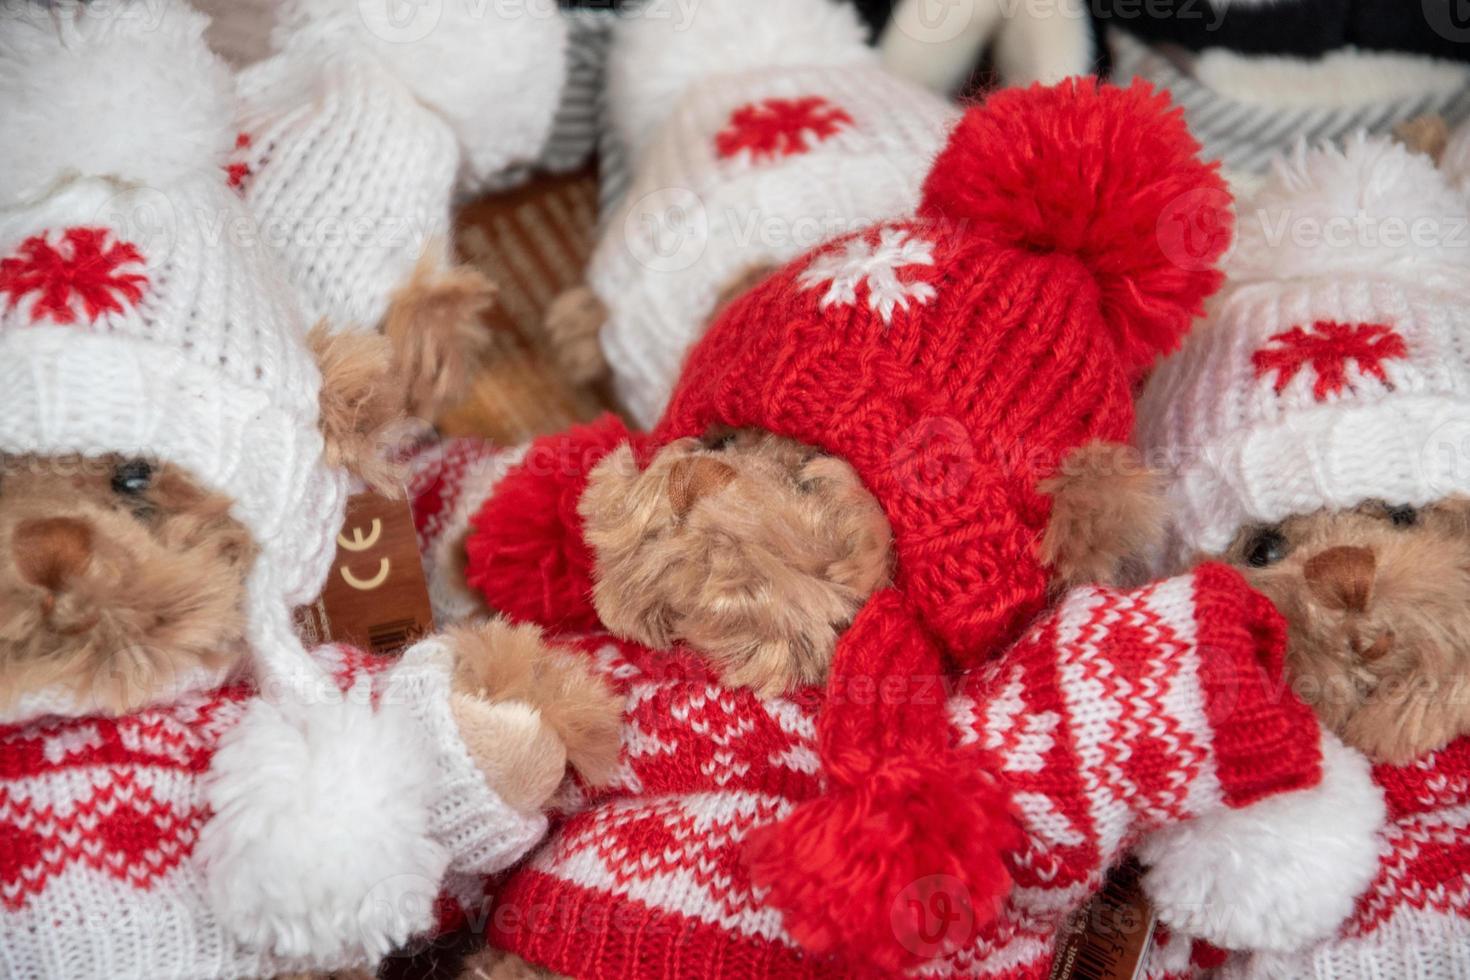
[694, 477]
[1342, 578]
[51, 552]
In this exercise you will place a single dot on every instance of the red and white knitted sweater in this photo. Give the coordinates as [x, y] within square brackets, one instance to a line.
[1413, 921]
[100, 816]
[1119, 713]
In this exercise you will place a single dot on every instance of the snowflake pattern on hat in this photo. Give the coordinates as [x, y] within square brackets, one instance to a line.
[874, 263]
[1328, 347]
[87, 265]
[775, 128]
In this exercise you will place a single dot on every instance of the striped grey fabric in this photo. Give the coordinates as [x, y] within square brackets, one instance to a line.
[1244, 136]
[576, 130]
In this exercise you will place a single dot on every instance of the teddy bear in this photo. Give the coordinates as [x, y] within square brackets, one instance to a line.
[868, 730]
[1312, 436]
[185, 789]
[747, 133]
[354, 141]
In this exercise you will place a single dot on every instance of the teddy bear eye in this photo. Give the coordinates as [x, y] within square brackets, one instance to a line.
[1265, 548]
[132, 478]
[1403, 516]
[717, 441]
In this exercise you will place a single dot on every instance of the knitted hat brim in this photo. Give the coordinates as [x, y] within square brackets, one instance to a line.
[1405, 449]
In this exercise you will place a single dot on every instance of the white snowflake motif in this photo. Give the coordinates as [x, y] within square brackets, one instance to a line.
[862, 261]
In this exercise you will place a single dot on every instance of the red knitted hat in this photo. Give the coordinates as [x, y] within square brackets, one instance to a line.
[954, 360]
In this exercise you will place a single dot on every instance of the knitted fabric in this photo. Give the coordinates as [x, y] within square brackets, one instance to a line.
[1414, 920]
[749, 170]
[1344, 353]
[953, 361]
[1121, 712]
[1245, 123]
[129, 322]
[447, 483]
[353, 138]
[99, 875]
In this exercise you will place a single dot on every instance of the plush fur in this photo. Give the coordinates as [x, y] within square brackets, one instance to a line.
[362, 397]
[433, 323]
[1107, 517]
[660, 52]
[572, 324]
[492, 964]
[115, 595]
[506, 663]
[170, 130]
[518, 753]
[1279, 874]
[755, 550]
[1428, 135]
[1379, 621]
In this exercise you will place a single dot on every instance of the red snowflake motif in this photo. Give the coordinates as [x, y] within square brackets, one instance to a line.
[86, 266]
[239, 172]
[780, 127]
[1328, 347]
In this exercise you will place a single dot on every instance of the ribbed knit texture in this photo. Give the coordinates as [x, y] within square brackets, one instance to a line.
[134, 320]
[99, 818]
[348, 174]
[447, 483]
[1349, 358]
[1107, 720]
[850, 146]
[1413, 922]
[1245, 135]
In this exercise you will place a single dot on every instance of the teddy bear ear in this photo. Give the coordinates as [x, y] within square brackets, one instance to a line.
[361, 405]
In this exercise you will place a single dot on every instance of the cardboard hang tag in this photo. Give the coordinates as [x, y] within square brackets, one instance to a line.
[1110, 939]
[376, 597]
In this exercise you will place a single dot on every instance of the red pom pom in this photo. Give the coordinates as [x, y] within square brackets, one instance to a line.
[525, 549]
[902, 866]
[1107, 174]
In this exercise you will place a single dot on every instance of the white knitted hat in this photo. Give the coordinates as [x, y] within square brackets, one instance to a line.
[1334, 367]
[132, 320]
[139, 316]
[357, 131]
[778, 131]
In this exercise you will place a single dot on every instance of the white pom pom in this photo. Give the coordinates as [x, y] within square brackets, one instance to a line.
[660, 49]
[126, 91]
[320, 847]
[1372, 207]
[1278, 875]
[494, 71]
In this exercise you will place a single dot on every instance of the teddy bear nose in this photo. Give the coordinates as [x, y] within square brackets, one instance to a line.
[1342, 578]
[694, 477]
[52, 551]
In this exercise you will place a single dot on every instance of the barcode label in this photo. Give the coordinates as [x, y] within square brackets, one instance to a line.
[1110, 939]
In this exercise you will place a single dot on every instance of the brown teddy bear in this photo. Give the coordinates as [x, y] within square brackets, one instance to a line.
[1315, 432]
[185, 789]
[911, 763]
